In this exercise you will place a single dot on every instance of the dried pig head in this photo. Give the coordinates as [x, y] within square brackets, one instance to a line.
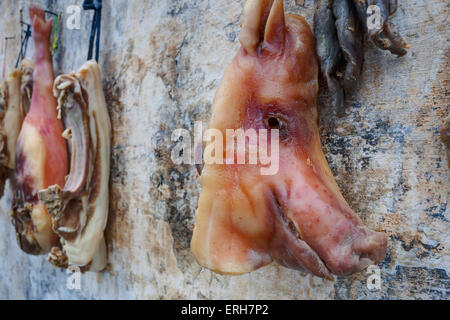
[297, 216]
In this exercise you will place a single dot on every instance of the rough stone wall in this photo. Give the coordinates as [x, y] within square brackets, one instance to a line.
[162, 62]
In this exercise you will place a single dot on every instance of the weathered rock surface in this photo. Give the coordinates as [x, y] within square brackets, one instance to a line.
[162, 62]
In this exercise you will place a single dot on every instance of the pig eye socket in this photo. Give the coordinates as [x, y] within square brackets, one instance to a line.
[276, 121]
[273, 123]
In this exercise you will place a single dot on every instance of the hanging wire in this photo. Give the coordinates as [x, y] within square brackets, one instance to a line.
[95, 5]
[25, 35]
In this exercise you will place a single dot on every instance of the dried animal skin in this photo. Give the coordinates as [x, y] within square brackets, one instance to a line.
[79, 211]
[329, 52]
[15, 94]
[384, 38]
[41, 152]
[298, 216]
[339, 27]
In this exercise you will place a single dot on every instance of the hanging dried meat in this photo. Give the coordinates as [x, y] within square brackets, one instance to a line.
[15, 96]
[79, 209]
[41, 151]
[297, 216]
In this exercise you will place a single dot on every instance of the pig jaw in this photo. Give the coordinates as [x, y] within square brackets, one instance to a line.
[295, 217]
[321, 220]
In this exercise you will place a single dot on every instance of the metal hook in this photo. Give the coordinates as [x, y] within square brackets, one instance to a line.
[95, 5]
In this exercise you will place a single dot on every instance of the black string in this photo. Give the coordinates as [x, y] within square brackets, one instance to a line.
[50, 12]
[24, 44]
[98, 33]
[96, 26]
[91, 38]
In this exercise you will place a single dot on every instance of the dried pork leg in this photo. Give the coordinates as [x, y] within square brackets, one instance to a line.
[11, 118]
[79, 211]
[296, 216]
[14, 104]
[41, 151]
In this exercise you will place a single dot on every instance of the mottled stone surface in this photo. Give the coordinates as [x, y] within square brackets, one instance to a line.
[162, 62]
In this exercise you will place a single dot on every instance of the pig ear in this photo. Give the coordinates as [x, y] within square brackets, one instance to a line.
[274, 33]
[252, 24]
